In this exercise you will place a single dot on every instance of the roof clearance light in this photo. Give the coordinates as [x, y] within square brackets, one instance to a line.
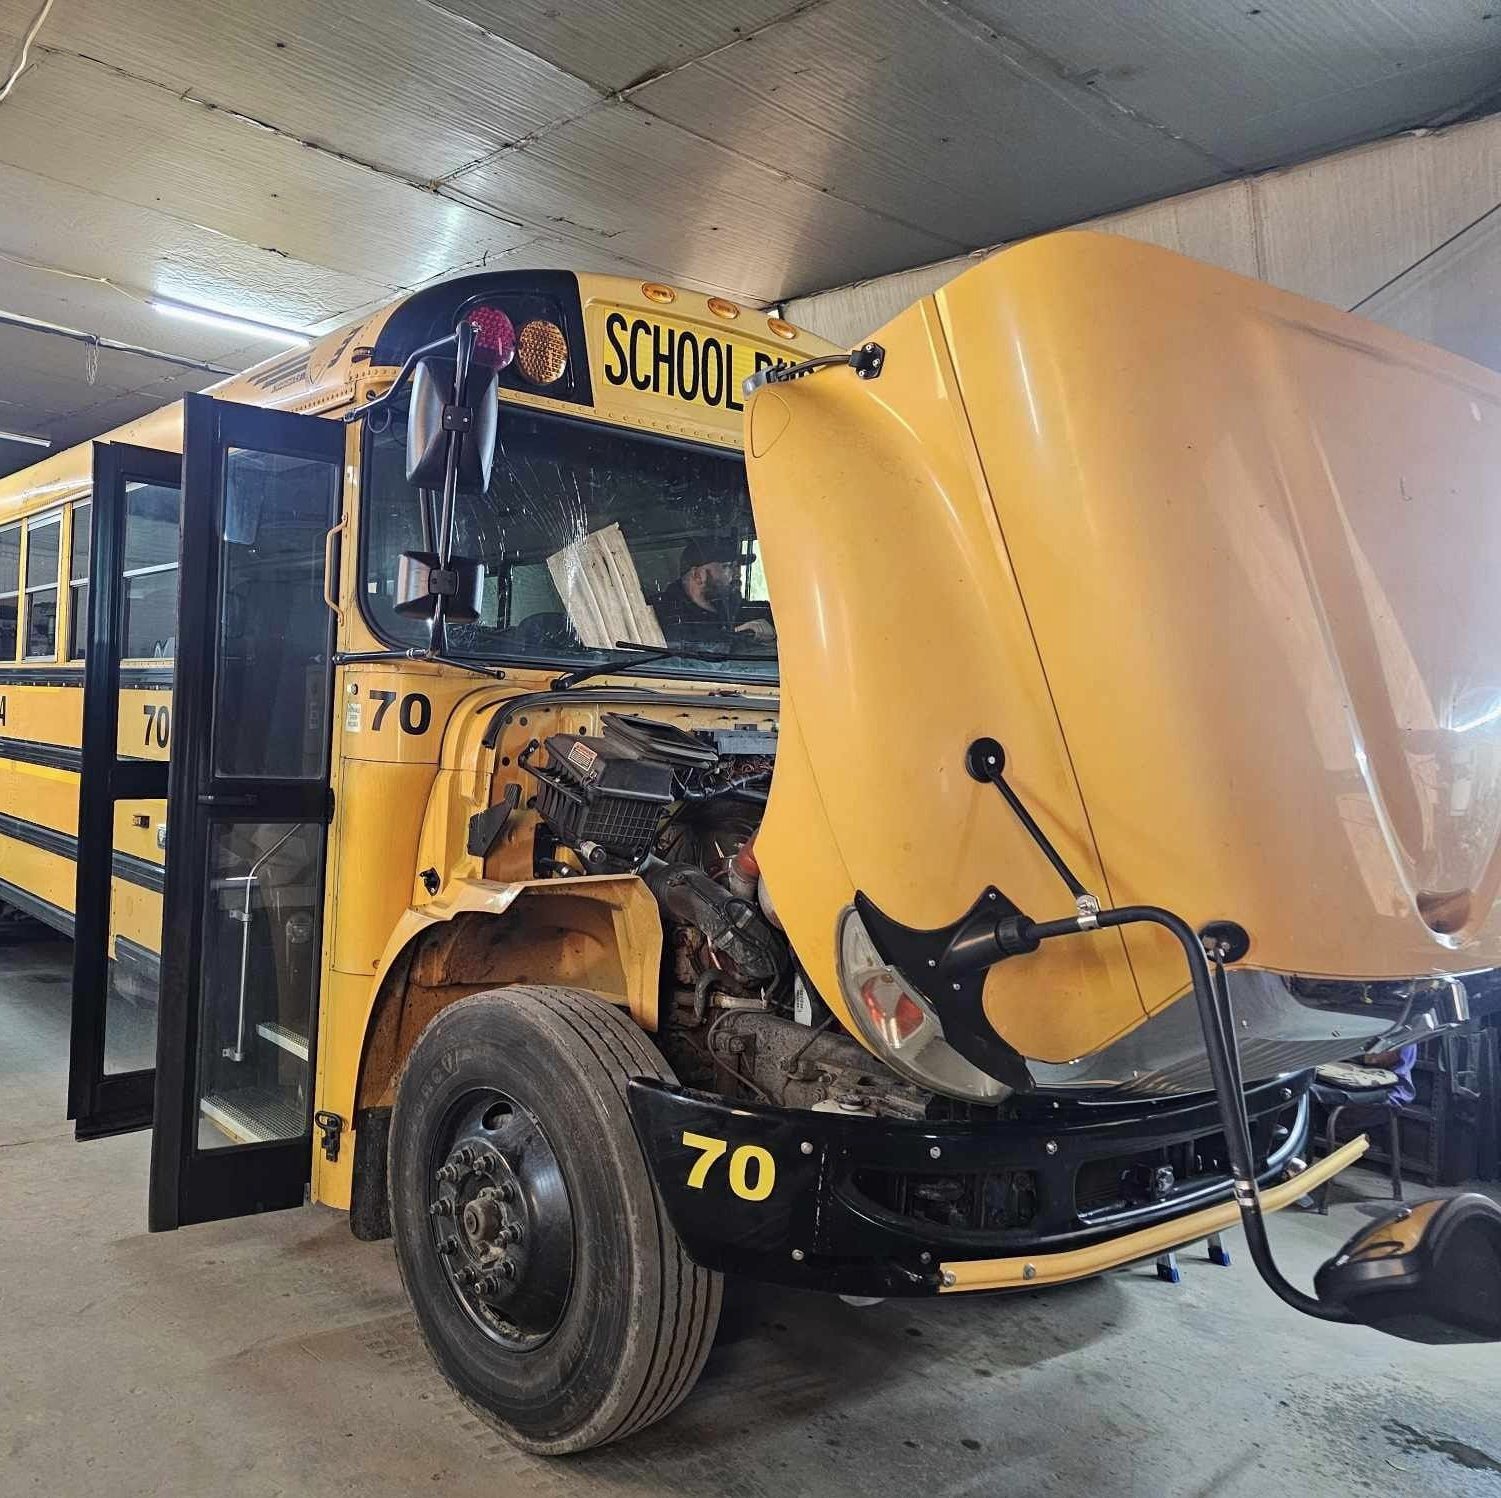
[655, 292]
[230, 321]
[541, 352]
[721, 308]
[495, 341]
[781, 327]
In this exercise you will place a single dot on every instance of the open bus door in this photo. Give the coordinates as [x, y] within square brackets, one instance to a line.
[137, 500]
[248, 808]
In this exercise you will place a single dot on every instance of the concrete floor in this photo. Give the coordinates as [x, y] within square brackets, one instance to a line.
[275, 1355]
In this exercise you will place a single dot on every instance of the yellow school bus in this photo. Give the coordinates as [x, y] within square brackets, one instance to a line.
[397, 728]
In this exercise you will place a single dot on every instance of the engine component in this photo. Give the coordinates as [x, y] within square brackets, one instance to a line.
[742, 873]
[734, 929]
[801, 1067]
[597, 791]
[648, 739]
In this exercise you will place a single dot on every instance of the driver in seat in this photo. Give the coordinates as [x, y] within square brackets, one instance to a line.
[705, 603]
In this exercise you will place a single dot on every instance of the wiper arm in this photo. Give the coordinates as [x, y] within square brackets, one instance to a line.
[412, 653]
[644, 655]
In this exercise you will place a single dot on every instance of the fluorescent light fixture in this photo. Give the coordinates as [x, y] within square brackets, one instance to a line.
[229, 320]
[25, 437]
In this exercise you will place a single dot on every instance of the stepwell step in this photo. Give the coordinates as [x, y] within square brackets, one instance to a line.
[251, 1115]
[290, 1040]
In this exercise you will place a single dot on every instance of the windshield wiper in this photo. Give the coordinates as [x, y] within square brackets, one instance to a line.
[644, 655]
[412, 653]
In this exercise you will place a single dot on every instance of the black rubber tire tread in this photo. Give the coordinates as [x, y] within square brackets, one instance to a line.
[690, 1295]
[602, 1040]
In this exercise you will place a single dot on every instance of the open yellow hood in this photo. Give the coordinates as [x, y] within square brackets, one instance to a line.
[1219, 567]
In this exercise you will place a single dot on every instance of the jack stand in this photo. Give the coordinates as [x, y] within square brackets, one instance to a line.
[1218, 1253]
[1167, 1268]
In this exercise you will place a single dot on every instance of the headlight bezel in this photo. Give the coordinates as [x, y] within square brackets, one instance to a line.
[921, 1054]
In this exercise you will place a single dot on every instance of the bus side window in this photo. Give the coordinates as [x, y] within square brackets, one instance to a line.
[10, 590]
[78, 580]
[43, 554]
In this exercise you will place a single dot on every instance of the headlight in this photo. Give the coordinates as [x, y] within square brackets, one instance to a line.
[900, 1024]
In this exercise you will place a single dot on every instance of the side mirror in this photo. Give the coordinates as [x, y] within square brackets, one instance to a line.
[1429, 1273]
[431, 417]
[420, 582]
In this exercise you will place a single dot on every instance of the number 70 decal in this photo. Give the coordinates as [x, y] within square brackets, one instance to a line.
[752, 1170]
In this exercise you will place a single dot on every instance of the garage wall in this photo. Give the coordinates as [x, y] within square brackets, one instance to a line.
[1406, 231]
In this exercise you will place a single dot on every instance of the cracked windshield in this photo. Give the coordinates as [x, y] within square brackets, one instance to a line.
[589, 536]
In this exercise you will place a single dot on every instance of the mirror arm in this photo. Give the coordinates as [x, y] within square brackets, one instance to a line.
[465, 338]
[403, 374]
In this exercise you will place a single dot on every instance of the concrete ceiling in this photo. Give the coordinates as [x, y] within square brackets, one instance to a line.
[300, 160]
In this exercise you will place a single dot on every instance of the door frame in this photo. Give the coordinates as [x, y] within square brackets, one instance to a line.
[188, 1184]
[101, 1104]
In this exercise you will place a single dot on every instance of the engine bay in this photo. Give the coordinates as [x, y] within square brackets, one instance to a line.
[680, 808]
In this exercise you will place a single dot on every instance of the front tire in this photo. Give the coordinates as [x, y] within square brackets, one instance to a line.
[548, 1283]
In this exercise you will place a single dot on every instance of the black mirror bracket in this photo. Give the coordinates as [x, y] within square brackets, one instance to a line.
[384, 399]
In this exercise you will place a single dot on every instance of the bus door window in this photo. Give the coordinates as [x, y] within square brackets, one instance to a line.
[270, 722]
[270, 708]
[43, 554]
[10, 590]
[150, 572]
[78, 579]
[260, 970]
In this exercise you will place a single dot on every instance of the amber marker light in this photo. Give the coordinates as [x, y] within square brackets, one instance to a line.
[655, 292]
[721, 308]
[541, 352]
[781, 327]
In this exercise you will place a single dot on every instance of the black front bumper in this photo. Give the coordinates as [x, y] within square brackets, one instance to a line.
[851, 1204]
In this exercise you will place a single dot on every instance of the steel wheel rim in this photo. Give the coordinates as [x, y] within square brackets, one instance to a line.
[500, 1220]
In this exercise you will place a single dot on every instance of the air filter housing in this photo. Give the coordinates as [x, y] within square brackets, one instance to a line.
[595, 790]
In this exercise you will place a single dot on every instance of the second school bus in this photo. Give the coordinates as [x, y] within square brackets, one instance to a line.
[405, 714]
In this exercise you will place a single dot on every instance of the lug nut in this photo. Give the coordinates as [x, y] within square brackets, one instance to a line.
[440, 1208]
[506, 1191]
[510, 1233]
[449, 1246]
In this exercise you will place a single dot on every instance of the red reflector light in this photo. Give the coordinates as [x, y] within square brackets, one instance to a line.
[907, 1017]
[892, 1011]
[495, 341]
